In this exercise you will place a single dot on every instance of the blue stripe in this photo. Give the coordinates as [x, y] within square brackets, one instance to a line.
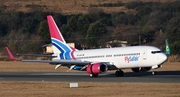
[62, 52]
[67, 54]
[63, 48]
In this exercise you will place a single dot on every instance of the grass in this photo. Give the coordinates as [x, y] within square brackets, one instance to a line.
[65, 6]
[88, 89]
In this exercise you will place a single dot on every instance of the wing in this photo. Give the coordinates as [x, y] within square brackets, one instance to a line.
[72, 63]
[64, 62]
[37, 55]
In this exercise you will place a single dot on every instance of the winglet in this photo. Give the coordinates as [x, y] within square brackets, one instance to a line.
[167, 48]
[10, 54]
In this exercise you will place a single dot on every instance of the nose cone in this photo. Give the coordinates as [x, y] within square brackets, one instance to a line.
[163, 57]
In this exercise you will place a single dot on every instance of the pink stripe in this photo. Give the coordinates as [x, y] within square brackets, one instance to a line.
[72, 52]
[72, 55]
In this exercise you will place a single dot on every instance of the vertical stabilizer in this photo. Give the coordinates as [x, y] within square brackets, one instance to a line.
[60, 48]
[54, 31]
[167, 48]
[10, 54]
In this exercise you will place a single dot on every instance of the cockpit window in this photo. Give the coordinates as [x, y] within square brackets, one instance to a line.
[154, 52]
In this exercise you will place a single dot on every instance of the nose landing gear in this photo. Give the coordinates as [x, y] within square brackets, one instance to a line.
[153, 72]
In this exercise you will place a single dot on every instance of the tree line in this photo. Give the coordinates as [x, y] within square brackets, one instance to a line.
[151, 24]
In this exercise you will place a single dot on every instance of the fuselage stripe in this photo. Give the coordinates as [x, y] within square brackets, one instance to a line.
[62, 52]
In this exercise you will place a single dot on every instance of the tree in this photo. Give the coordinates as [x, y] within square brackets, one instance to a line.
[175, 47]
[144, 11]
[82, 24]
[95, 31]
[119, 19]
[173, 34]
[72, 23]
[3, 30]
[159, 40]
[43, 32]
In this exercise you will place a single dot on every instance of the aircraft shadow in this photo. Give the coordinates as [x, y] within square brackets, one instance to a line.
[133, 74]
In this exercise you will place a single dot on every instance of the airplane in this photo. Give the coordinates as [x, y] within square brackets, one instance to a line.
[97, 61]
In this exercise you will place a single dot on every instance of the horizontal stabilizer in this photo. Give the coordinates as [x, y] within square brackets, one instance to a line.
[37, 55]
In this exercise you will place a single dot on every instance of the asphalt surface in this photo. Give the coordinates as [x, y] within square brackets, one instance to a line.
[161, 76]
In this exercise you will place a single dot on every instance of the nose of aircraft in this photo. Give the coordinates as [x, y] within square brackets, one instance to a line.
[163, 57]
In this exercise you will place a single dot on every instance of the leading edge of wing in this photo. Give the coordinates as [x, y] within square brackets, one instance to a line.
[55, 62]
[37, 55]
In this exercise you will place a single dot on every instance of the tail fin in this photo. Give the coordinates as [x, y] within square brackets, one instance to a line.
[59, 44]
[10, 54]
[54, 31]
[167, 48]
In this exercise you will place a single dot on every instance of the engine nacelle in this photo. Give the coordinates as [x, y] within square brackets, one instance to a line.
[96, 68]
[77, 67]
[141, 69]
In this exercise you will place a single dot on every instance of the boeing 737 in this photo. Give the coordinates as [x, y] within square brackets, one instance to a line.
[97, 61]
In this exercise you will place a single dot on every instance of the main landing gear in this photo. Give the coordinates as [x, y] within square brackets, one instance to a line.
[119, 73]
[93, 75]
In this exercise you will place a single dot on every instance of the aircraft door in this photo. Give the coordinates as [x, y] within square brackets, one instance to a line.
[157, 56]
[144, 54]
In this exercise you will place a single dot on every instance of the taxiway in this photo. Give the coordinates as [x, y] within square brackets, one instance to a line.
[161, 76]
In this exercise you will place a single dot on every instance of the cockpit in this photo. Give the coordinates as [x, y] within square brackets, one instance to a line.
[154, 52]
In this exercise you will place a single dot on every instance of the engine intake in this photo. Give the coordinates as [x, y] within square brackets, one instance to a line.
[96, 68]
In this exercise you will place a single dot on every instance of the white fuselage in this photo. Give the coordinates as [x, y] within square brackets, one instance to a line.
[124, 57]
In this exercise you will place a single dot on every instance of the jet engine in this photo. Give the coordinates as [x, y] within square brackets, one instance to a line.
[141, 69]
[96, 68]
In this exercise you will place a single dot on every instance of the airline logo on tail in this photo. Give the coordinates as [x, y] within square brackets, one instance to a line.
[167, 48]
[58, 42]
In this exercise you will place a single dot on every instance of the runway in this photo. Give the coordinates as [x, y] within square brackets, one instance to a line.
[161, 76]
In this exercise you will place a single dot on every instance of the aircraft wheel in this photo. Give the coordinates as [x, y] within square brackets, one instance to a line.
[153, 72]
[93, 75]
[119, 73]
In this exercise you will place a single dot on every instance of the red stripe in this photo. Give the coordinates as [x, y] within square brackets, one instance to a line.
[54, 31]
